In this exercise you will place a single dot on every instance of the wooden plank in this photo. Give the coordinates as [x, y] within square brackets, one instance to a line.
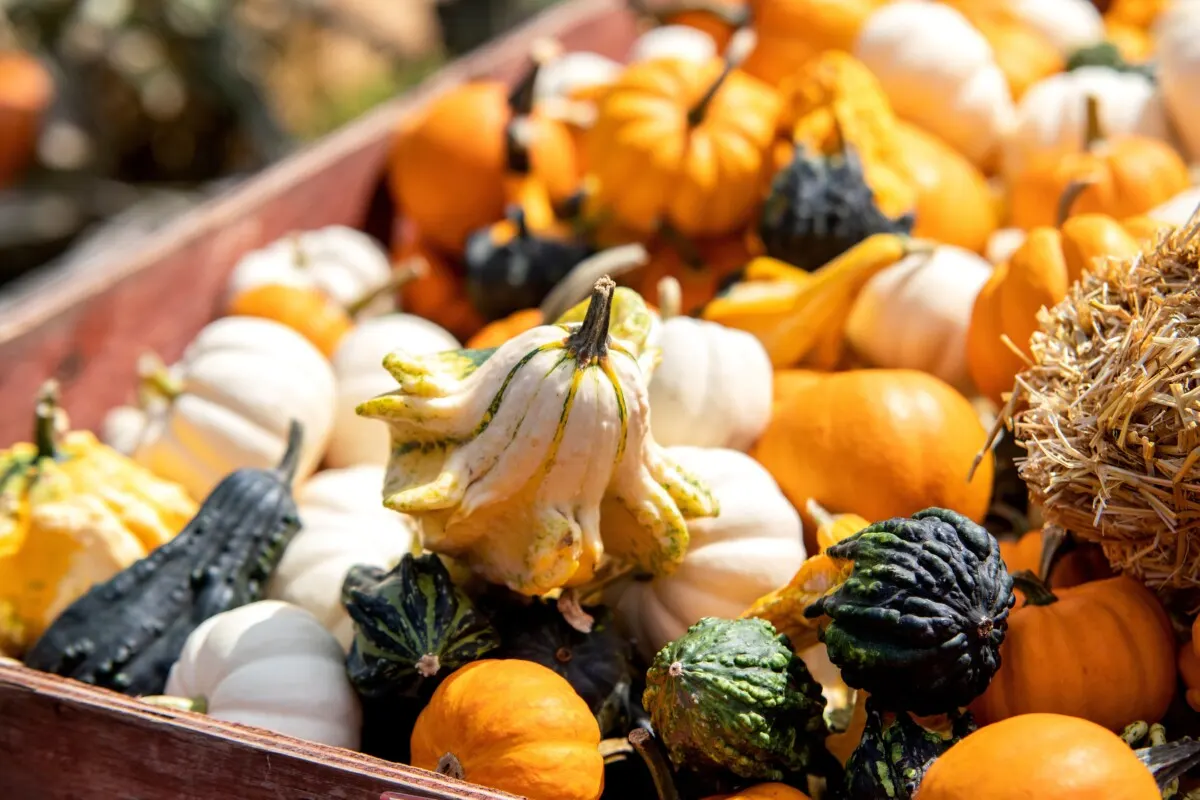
[86, 323]
[63, 740]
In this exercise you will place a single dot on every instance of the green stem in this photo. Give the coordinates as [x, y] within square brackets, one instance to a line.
[660, 771]
[45, 433]
[1036, 592]
[589, 342]
[156, 379]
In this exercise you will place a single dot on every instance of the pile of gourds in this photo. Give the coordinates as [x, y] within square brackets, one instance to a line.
[746, 525]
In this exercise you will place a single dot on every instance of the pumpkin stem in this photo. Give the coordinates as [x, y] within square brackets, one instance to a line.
[570, 607]
[1055, 545]
[1066, 200]
[1093, 134]
[156, 380]
[589, 342]
[1036, 592]
[47, 416]
[670, 297]
[660, 771]
[571, 289]
[697, 112]
[451, 767]
[401, 275]
[287, 464]
[196, 705]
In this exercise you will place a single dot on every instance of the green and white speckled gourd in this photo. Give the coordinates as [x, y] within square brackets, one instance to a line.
[505, 456]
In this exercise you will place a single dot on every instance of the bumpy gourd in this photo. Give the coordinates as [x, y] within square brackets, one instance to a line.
[730, 694]
[895, 752]
[413, 627]
[919, 622]
[126, 633]
[504, 457]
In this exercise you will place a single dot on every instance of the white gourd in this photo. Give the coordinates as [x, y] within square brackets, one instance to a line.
[573, 72]
[358, 367]
[343, 523]
[752, 548]
[1177, 50]
[271, 665]
[673, 41]
[1067, 24]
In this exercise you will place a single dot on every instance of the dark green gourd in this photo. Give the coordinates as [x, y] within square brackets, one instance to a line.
[731, 695]
[819, 207]
[412, 627]
[896, 751]
[126, 633]
[920, 620]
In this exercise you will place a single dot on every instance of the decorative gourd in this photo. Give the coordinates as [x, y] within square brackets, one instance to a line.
[1178, 55]
[1100, 637]
[791, 32]
[919, 622]
[673, 41]
[752, 547]
[271, 665]
[915, 313]
[437, 291]
[356, 366]
[1069, 24]
[505, 456]
[764, 791]
[895, 751]
[226, 404]
[832, 528]
[785, 607]
[939, 72]
[731, 695]
[1023, 52]
[515, 726]
[126, 633]
[73, 513]
[343, 524]
[305, 310]
[828, 432]
[413, 627]
[28, 89]
[682, 143]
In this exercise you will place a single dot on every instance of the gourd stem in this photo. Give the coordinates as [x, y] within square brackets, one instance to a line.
[45, 426]
[1055, 544]
[670, 297]
[589, 342]
[196, 705]
[700, 110]
[400, 276]
[660, 771]
[291, 456]
[573, 288]
[155, 379]
[1066, 200]
[451, 767]
[1092, 132]
[1036, 593]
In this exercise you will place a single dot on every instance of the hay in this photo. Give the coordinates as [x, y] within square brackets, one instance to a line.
[1109, 411]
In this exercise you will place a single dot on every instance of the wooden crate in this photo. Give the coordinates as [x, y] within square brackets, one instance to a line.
[85, 324]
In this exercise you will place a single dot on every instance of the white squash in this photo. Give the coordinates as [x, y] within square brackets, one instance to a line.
[271, 665]
[571, 73]
[1177, 48]
[344, 523]
[938, 72]
[358, 367]
[673, 41]
[1067, 24]
[915, 313]
[227, 404]
[345, 264]
[753, 547]
[712, 386]
[1179, 209]
[1051, 117]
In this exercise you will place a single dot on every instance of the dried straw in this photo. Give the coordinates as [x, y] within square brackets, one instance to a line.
[1109, 411]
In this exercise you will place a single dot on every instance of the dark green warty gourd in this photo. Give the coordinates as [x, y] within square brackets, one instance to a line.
[919, 622]
[412, 627]
[896, 751]
[731, 695]
[126, 633]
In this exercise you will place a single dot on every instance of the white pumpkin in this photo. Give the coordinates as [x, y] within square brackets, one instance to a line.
[345, 264]
[1002, 244]
[271, 665]
[1179, 209]
[229, 402]
[938, 72]
[358, 367]
[1067, 24]
[344, 523]
[713, 384]
[753, 547]
[673, 41]
[915, 313]
[1051, 118]
[1177, 49]
[573, 72]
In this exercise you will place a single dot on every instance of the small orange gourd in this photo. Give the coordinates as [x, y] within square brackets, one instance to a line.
[305, 310]
[790, 32]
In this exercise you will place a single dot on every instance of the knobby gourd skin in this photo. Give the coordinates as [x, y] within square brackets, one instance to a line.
[504, 457]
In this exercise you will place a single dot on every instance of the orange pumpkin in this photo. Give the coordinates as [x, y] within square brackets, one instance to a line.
[500, 331]
[1086, 563]
[1042, 756]
[1024, 54]
[684, 144]
[303, 309]
[1138, 13]
[1103, 651]
[881, 443]
[764, 791]
[515, 726]
[1133, 43]
[437, 291]
[790, 32]
[26, 89]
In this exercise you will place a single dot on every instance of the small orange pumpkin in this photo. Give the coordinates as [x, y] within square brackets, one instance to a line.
[26, 89]
[305, 310]
[790, 32]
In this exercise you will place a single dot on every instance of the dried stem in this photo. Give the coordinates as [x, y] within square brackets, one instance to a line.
[660, 770]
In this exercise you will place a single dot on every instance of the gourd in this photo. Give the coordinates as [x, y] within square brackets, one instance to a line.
[226, 404]
[308, 312]
[413, 627]
[792, 32]
[536, 738]
[712, 385]
[26, 96]
[915, 313]
[752, 547]
[682, 143]
[919, 622]
[271, 665]
[829, 433]
[1178, 57]
[505, 456]
[895, 752]
[1069, 24]
[125, 633]
[673, 41]
[764, 791]
[938, 72]
[343, 525]
[1080, 565]
[1104, 638]
[1023, 53]
[731, 695]
[73, 513]
[356, 367]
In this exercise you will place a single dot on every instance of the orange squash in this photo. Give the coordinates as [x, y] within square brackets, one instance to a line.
[437, 291]
[1102, 651]
[764, 791]
[305, 310]
[26, 89]
[790, 32]
[1024, 54]
[1042, 756]
[515, 726]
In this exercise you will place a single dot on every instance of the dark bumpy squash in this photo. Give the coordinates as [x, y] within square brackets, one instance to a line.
[895, 751]
[126, 633]
[413, 627]
[920, 620]
[731, 695]
[819, 207]
[596, 664]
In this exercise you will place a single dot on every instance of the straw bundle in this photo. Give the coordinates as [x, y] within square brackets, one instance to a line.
[1109, 411]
